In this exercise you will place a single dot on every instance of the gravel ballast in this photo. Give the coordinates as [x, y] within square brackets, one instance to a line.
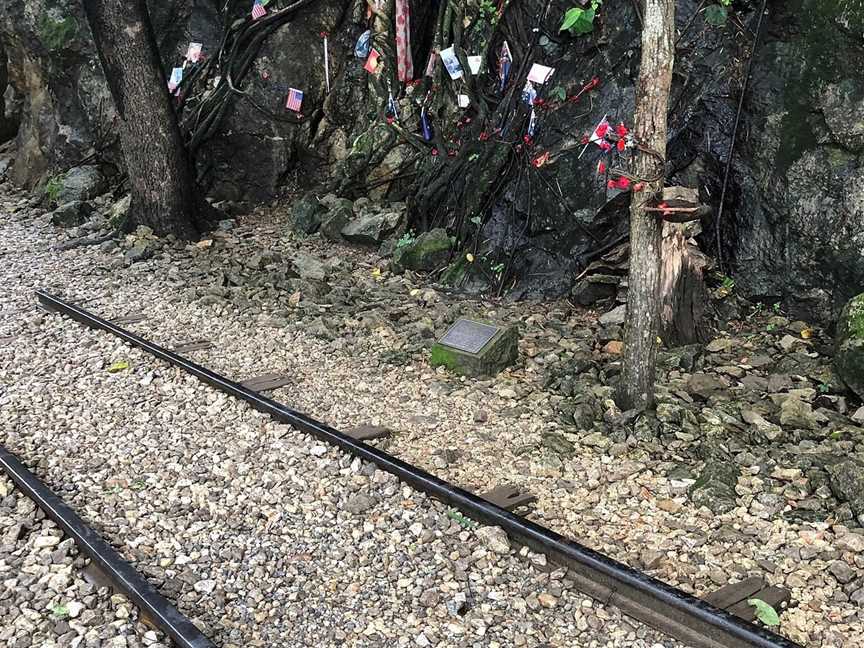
[262, 535]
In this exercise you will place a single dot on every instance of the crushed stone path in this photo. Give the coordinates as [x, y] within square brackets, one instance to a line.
[261, 535]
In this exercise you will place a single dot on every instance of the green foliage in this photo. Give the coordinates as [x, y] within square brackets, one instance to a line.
[53, 188]
[56, 33]
[559, 93]
[60, 611]
[718, 13]
[406, 239]
[461, 520]
[764, 612]
[579, 20]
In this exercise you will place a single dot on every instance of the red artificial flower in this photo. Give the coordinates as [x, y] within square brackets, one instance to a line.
[585, 139]
[451, 153]
[621, 183]
[639, 186]
[434, 151]
[323, 34]
[390, 120]
[540, 160]
[526, 138]
[484, 136]
[602, 129]
[621, 129]
[621, 145]
[593, 83]
[539, 102]
[601, 167]
[467, 120]
[604, 145]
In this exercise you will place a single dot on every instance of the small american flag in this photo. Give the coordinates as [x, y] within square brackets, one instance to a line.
[295, 99]
[258, 10]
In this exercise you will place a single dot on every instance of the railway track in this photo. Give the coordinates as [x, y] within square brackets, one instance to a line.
[638, 595]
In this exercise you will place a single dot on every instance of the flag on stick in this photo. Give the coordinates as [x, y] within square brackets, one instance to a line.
[258, 10]
[295, 100]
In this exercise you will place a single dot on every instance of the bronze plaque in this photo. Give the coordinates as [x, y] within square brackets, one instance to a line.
[469, 336]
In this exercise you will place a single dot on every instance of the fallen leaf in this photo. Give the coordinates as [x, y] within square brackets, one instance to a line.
[764, 612]
[807, 333]
[294, 298]
[203, 245]
[120, 365]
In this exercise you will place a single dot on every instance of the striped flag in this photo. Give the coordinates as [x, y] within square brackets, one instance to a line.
[295, 100]
[258, 10]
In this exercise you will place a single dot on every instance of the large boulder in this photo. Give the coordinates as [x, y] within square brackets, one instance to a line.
[372, 229]
[847, 484]
[427, 252]
[849, 354]
[80, 183]
[306, 214]
[71, 214]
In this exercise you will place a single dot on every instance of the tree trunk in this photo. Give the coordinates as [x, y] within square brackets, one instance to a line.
[636, 387]
[163, 190]
[683, 294]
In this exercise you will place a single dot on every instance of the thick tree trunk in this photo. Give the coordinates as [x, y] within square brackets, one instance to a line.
[636, 388]
[163, 189]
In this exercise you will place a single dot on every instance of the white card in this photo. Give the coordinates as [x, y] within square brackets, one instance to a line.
[464, 101]
[451, 62]
[474, 62]
[540, 73]
[193, 54]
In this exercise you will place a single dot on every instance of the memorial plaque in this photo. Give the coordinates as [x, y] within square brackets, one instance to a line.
[469, 336]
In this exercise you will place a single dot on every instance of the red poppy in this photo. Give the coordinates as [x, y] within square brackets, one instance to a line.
[484, 136]
[434, 151]
[602, 129]
[623, 183]
[526, 138]
[603, 144]
[621, 145]
[621, 129]
[585, 139]
[390, 120]
[601, 167]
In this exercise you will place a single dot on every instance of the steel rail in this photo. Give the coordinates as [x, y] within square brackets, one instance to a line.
[120, 573]
[638, 595]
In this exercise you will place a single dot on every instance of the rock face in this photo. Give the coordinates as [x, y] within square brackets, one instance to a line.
[793, 227]
[849, 354]
[847, 483]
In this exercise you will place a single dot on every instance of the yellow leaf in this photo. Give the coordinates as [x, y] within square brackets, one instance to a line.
[807, 333]
[376, 272]
[469, 257]
[118, 366]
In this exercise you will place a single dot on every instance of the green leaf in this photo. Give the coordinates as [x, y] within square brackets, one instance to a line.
[117, 367]
[764, 612]
[476, 220]
[559, 93]
[60, 611]
[716, 15]
[570, 18]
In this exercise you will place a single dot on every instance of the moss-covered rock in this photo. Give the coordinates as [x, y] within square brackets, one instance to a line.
[849, 355]
[715, 487]
[306, 214]
[427, 252]
[499, 353]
